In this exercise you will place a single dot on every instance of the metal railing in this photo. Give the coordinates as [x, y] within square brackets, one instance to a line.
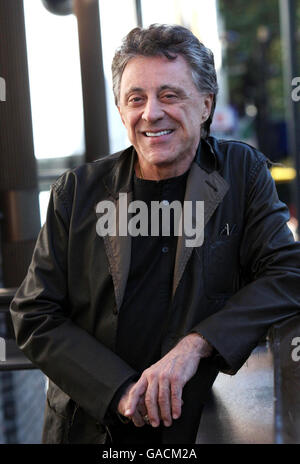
[284, 341]
[285, 345]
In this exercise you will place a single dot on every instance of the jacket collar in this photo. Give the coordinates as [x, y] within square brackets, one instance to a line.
[120, 178]
[206, 157]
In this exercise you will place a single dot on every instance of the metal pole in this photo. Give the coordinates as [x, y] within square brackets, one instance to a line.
[288, 34]
[92, 75]
[139, 16]
[18, 172]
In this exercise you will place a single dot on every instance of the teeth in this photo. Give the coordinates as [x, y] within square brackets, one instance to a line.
[157, 134]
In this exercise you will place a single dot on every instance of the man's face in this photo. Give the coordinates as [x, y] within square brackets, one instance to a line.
[162, 109]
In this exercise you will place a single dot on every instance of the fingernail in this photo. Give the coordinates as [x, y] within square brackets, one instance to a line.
[127, 412]
[154, 424]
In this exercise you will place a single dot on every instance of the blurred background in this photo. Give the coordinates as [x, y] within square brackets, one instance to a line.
[57, 111]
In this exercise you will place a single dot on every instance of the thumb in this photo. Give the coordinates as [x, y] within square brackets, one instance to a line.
[134, 396]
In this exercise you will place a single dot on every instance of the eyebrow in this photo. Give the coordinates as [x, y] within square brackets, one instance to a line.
[132, 90]
[171, 87]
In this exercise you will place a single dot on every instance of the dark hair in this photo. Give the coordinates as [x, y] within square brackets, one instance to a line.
[169, 40]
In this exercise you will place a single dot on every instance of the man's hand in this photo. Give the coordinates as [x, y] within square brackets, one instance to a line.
[137, 416]
[161, 385]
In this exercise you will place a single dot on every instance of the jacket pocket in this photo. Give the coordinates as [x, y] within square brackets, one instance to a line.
[221, 266]
[66, 422]
[55, 430]
[58, 414]
[84, 429]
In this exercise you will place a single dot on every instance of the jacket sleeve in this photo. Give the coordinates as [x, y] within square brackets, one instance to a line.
[270, 263]
[73, 359]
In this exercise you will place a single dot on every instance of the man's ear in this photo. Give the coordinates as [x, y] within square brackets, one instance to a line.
[208, 101]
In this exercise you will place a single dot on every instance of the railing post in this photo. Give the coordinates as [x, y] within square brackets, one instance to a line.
[19, 201]
[290, 68]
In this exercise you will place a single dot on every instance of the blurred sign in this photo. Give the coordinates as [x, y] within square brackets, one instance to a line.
[224, 120]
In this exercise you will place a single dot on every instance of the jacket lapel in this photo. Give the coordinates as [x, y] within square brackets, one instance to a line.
[118, 247]
[118, 250]
[201, 186]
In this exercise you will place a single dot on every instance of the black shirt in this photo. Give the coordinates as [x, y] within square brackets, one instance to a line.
[143, 314]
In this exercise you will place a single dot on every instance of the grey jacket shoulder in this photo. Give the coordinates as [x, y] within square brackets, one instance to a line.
[239, 159]
[239, 150]
[92, 171]
[86, 181]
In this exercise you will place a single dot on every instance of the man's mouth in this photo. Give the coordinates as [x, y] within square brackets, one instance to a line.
[158, 134]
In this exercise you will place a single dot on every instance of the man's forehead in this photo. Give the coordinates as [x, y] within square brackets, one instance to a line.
[166, 73]
[145, 60]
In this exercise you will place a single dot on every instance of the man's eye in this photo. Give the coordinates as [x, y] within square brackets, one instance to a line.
[169, 96]
[135, 99]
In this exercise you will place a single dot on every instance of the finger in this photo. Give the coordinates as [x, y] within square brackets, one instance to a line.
[176, 401]
[141, 407]
[164, 402]
[151, 403]
[134, 396]
[138, 419]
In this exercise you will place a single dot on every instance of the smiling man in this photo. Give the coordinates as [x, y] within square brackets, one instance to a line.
[162, 110]
[133, 330]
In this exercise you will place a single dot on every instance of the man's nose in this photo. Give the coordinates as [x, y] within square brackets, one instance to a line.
[153, 110]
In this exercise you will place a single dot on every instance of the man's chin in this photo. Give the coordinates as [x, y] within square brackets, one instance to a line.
[161, 159]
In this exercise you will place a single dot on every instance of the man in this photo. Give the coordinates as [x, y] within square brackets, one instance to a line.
[132, 330]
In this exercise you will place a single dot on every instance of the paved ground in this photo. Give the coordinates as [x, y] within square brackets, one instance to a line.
[241, 407]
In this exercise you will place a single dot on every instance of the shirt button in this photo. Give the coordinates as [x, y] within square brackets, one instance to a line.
[165, 203]
[165, 249]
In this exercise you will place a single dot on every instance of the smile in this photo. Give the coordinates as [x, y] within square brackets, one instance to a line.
[158, 134]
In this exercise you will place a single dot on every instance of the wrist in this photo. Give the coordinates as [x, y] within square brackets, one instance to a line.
[203, 347]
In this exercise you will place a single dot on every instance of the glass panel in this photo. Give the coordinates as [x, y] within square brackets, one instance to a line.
[200, 16]
[44, 200]
[117, 19]
[55, 82]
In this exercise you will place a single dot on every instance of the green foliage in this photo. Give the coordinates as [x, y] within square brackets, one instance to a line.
[253, 55]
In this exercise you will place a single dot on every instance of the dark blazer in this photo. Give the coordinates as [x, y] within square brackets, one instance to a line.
[243, 279]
